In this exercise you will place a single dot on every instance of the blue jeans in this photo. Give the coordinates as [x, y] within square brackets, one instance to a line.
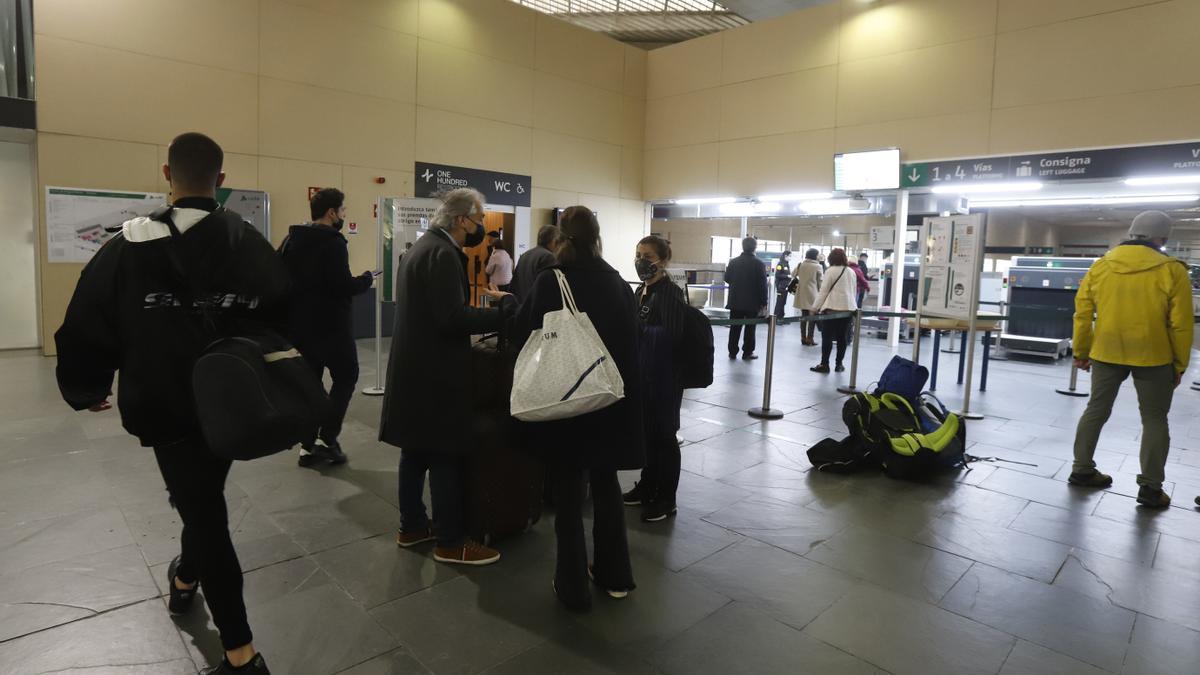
[445, 492]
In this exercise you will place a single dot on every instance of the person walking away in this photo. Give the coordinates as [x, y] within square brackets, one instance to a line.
[837, 295]
[594, 446]
[661, 328]
[535, 260]
[747, 281]
[783, 280]
[821, 259]
[499, 267]
[427, 409]
[806, 284]
[863, 285]
[134, 312]
[322, 321]
[1133, 316]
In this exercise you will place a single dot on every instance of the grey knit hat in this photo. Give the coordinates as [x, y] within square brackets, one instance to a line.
[1150, 225]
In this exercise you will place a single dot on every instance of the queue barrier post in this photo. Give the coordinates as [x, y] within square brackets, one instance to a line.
[1071, 387]
[766, 412]
[377, 390]
[852, 388]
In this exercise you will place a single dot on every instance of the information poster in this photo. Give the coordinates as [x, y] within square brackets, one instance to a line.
[78, 221]
[401, 223]
[252, 205]
[953, 258]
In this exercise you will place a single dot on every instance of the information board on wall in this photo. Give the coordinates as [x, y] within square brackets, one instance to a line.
[252, 205]
[950, 270]
[401, 222]
[78, 220]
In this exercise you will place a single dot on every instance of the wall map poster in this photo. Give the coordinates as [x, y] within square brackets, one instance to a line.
[252, 205]
[78, 220]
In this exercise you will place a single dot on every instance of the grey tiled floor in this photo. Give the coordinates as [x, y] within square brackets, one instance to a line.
[768, 568]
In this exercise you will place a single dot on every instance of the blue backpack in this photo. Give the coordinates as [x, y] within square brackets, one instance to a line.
[903, 377]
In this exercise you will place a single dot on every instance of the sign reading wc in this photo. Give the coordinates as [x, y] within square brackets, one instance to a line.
[499, 188]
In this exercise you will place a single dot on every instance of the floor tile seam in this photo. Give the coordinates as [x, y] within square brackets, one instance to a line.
[1008, 656]
[55, 561]
[992, 565]
[95, 614]
[706, 557]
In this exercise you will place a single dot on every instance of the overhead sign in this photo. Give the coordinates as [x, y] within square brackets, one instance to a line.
[882, 236]
[1151, 160]
[499, 188]
[873, 170]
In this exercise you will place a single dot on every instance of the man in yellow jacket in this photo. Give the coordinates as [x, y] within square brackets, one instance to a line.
[1133, 316]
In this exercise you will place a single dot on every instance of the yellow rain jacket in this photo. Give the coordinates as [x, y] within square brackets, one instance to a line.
[1142, 302]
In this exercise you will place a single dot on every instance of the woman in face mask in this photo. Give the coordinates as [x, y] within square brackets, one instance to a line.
[661, 306]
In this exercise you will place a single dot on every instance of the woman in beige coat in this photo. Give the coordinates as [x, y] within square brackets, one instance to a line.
[806, 283]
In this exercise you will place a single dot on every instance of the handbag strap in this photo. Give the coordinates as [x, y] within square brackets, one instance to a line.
[564, 288]
[835, 283]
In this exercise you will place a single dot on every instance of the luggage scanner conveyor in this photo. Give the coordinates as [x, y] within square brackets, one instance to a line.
[1041, 304]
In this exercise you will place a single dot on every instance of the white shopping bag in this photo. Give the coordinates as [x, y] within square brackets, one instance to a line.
[564, 370]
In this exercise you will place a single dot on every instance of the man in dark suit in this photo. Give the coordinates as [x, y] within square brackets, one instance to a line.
[535, 260]
[747, 279]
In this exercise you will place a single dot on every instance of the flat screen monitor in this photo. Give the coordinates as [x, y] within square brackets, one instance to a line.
[872, 170]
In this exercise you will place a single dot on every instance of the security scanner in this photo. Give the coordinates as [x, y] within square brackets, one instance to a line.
[908, 300]
[1041, 304]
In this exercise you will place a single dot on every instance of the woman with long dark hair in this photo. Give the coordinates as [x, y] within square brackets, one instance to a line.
[596, 444]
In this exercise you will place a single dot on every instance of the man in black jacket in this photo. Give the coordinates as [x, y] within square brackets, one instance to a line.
[747, 279]
[534, 261]
[146, 305]
[322, 322]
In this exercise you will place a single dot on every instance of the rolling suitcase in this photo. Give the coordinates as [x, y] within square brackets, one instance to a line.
[502, 482]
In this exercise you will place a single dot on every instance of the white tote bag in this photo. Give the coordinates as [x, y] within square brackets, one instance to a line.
[564, 370]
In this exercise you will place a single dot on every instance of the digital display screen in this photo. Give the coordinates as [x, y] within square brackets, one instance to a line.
[873, 170]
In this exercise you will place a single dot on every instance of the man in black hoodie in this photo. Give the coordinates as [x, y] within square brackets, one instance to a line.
[322, 322]
[146, 305]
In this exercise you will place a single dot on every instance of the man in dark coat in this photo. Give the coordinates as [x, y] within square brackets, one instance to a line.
[427, 410]
[747, 279]
[322, 325]
[534, 261]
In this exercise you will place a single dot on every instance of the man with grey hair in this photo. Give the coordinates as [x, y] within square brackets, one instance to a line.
[1133, 316]
[427, 410]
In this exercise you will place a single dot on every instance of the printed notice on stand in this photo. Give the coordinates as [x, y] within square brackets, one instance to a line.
[401, 223]
[79, 221]
[953, 259]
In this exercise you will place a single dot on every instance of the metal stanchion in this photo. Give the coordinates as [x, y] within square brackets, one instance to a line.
[852, 388]
[765, 412]
[377, 390]
[1070, 390]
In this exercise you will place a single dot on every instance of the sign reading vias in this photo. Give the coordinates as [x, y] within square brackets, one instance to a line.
[499, 188]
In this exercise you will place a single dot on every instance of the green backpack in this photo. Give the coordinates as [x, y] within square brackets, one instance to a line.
[888, 425]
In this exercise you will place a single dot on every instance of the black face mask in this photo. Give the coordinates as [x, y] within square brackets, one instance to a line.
[474, 238]
[337, 224]
[646, 270]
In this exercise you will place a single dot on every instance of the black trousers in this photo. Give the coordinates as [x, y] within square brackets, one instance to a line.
[735, 332]
[195, 480]
[445, 491]
[780, 304]
[341, 359]
[834, 331]
[611, 566]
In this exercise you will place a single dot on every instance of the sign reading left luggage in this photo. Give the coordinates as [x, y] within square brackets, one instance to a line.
[499, 188]
[78, 220]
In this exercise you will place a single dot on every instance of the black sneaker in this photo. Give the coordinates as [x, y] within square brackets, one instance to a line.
[839, 368]
[333, 452]
[636, 496]
[309, 455]
[180, 601]
[1153, 497]
[657, 511]
[822, 368]
[256, 666]
[750, 357]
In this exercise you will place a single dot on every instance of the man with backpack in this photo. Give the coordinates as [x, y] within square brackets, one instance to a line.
[1133, 316]
[747, 279]
[322, 323]
[147, 305]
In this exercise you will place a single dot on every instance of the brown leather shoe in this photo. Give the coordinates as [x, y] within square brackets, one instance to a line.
[1153, 497]
[406, 539]
[1093, 479]
[470, 553]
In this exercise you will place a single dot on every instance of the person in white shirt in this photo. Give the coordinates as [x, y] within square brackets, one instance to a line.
[499, 267]
[837, 295]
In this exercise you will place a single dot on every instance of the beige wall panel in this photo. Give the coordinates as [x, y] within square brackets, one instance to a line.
[362, 193]
[494, 28]
[1106, 54]
[111, 97]
[691, 240]
[887, 28]
[1126, 119]
[397, 15]
[617, 249]
[899, 86]
[568, 107]
[796, 41]
[375, 132]
[801, 162]
[635, 72]
[687, 66]
[579, 54]
[219, 33]
[1017, 14]
[542, 200]
[69, 161]
[633, 122]
[774, 105]
[367, 60]
[471, 84]
[569, 163]
[688, 171]
[241, 171]
[686, 119]
[460, 140]
[632, 174]
[287, 181]
[960, 135]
